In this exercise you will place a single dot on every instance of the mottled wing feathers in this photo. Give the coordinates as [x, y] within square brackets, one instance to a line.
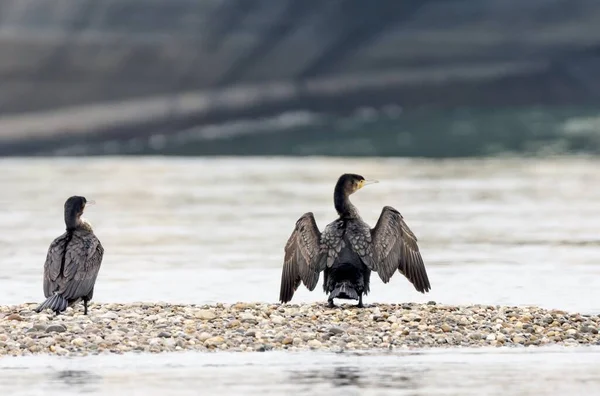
[303, 260]
[52, 264]
[395, 248]
[332, 241]
[82, 267]
[83, 258]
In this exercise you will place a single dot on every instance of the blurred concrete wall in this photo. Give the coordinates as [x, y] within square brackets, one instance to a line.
[117, 69]
[58, 53]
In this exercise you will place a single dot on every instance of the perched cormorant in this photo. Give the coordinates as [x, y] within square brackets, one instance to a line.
[73, 262]
[348, 250]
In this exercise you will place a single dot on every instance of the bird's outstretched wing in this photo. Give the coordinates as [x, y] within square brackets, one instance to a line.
[304, 257]
[395, 248]
[83, 257]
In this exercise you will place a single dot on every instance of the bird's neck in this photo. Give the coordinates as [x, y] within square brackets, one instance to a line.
[77, 223]
[84, 224]
[343, 206]
[72, 222]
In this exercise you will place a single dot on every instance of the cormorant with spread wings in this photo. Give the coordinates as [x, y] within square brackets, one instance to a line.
[72, 262]
[348, 250]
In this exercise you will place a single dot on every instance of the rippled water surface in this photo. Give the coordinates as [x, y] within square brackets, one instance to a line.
[541, 371]
[503, 231]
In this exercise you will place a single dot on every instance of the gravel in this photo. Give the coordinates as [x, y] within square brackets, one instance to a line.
[244, 327]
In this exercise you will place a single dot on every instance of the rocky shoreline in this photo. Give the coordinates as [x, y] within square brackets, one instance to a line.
[243, 327]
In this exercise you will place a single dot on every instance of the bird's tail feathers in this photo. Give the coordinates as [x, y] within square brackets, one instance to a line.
[344, 290]
[56, 303]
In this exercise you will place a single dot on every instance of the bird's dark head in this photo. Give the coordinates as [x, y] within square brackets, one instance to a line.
[349, 183]
[74, 207]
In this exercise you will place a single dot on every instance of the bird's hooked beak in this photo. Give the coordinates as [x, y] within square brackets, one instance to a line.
[367, 182]
[90, 202]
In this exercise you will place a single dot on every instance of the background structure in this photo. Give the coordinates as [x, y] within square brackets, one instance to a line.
[147, 74]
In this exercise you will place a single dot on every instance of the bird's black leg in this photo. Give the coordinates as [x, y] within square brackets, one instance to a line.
[360, 303]
[330, 303]
[85, 301]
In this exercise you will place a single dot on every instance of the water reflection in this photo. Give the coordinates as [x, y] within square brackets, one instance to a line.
[465, 372]
[81, 380]
[356, 377]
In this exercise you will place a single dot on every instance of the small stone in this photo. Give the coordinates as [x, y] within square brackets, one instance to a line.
[446, 328]
[533, 339]
[57, 328]
[491, 337]
[314, 344]
[214, 341]
[205, 314]
[204, 336]
[248, 318]
[234, 323]
[287, 341]
[278, 339]
[37, 328]
[518, 339]
[164, 334]
[79, 342]
[336, 330]
[14, 316]
[110, 315]
[519, 325]
[278, 320]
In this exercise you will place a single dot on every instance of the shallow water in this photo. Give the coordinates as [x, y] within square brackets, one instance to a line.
[531, 371]
[502, 231]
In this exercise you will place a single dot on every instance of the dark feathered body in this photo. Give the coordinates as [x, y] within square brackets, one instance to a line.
[348, 250]
[347, 277]
[72, 265]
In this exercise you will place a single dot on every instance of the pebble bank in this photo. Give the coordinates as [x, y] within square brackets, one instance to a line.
[246, 327]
